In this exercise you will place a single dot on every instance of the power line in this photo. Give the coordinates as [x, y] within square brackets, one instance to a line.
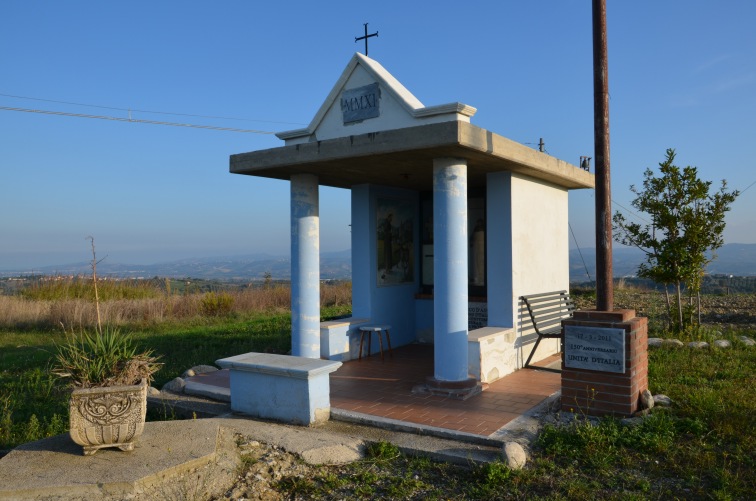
[746, 188]
[148, 111]
[135, 120]
[631, 212]
[580, 252]
[649, 222]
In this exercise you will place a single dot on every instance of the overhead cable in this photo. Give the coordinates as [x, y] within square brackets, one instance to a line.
[580, 252]
[148, 111]
[135, 120]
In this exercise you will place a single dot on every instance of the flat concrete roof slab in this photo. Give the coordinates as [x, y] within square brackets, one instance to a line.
[403, 158]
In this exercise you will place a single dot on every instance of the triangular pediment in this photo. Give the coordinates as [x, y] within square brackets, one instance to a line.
[367, 98]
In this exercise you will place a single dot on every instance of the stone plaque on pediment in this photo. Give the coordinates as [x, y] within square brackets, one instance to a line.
[361, 103]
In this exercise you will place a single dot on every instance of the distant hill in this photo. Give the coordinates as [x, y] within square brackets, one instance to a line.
[333, 265]
[732, 259]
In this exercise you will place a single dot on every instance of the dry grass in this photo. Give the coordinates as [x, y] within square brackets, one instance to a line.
[20, 312]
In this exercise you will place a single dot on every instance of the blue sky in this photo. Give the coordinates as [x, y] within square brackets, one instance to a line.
[682, 74]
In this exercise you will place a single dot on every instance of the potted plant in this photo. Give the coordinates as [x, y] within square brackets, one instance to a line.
[109, 377]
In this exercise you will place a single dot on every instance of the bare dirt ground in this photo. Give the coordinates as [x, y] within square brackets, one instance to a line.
[716, 311]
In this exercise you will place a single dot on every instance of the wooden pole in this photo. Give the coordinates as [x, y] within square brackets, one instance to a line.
[604, 284]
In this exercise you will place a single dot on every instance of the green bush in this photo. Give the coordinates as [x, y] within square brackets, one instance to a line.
[215, 304]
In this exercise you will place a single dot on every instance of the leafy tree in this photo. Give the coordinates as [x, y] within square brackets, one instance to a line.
[686, 228]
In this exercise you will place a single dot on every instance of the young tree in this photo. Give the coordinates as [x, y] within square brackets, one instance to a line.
[686, 222]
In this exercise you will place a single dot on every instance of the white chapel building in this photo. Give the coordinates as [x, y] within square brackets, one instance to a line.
[451, 224]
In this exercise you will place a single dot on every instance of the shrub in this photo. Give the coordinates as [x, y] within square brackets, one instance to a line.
[217, 304]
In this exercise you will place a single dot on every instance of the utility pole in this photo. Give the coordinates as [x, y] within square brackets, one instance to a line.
[604, 272]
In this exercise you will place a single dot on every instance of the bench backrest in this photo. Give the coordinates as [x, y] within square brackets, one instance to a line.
[548, 309]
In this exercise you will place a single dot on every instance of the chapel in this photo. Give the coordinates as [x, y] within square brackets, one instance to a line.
[451, 225]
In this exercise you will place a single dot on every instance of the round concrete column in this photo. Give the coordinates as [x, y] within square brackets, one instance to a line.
[450, 269]
[305, 266]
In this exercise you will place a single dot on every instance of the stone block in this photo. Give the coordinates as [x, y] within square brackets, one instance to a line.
[340, 339]
[491, 353]
[285, 388]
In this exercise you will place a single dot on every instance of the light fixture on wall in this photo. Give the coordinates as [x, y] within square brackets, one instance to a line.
[585, 163]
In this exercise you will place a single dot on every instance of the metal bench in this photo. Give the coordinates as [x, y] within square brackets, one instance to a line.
[547, 310]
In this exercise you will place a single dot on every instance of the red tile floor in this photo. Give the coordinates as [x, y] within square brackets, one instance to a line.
[384, 388]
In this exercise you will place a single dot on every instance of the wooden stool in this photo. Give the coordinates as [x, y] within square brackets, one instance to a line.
[378, 329]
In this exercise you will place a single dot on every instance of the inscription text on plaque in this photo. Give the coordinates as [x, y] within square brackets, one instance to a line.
[594, 348]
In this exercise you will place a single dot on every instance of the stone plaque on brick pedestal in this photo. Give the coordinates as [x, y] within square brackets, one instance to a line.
[594, 348]
[600, 388]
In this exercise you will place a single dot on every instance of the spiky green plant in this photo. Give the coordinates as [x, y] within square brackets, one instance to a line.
[103, 358]
[107, 358]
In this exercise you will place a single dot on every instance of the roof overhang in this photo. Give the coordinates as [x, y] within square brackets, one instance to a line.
[403, 158]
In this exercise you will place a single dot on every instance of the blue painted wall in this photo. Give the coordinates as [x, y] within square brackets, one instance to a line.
[424, 320]
[385, 304]
[499, 231]
[363, 253]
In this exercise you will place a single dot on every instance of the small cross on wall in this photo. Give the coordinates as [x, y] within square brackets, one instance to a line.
[365, 37]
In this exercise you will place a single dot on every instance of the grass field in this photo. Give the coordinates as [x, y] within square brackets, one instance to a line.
[703, 447]
[197, 329]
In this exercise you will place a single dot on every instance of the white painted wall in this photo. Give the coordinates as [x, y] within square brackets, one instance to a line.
[393, 115]
[399, 108]
[540, 252]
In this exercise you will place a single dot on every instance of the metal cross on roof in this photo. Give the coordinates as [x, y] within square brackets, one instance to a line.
[357, 39]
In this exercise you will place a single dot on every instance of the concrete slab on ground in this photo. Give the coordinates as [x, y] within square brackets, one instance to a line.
[56, 469]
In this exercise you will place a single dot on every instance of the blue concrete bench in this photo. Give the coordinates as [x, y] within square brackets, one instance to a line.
[281, 387]
[339, 339]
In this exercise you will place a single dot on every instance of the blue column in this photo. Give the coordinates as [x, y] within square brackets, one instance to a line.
[450, 269]
[305, 266]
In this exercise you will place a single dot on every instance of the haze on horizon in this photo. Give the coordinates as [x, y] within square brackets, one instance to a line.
[683, 78]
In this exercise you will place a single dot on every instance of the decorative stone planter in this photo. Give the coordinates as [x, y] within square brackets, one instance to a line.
[108, 417]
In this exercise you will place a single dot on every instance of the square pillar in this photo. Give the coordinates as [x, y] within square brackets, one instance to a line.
[501, 301]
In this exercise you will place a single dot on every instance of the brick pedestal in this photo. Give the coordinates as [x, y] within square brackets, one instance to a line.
[597, 393]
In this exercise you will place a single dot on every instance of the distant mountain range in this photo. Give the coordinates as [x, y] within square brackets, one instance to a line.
[732, 259]
[333, 265]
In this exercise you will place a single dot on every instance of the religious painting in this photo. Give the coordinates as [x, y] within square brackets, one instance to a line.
[395, 222]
